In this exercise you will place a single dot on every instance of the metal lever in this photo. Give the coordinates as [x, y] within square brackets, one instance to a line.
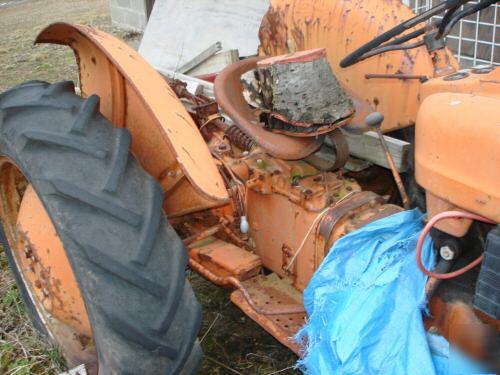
[374, 121]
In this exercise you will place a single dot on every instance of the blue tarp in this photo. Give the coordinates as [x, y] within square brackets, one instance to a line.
[365, 304]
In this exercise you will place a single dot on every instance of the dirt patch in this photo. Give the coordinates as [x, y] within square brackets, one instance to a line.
[232, 343]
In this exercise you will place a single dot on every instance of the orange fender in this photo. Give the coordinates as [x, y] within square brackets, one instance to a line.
[134, 95]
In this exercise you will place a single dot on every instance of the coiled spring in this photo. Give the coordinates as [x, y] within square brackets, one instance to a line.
[239, 138]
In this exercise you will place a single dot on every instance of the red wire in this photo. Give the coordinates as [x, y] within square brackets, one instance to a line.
[426, 230]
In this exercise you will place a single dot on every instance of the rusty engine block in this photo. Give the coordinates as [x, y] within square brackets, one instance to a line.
[283, 217]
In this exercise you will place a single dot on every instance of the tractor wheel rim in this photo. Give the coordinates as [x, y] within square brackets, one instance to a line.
[43, 266]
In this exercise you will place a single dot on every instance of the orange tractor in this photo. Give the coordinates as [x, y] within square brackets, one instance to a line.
[107, 195]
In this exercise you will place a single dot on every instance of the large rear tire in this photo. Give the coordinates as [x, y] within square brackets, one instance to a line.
[107, 211]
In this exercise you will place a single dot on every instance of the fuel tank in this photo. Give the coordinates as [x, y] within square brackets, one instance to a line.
[457, 155]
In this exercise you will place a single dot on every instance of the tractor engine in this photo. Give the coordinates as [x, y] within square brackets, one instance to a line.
[292, 195]
[290, 212]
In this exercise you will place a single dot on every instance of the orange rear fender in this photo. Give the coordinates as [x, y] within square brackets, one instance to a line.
[135, 96]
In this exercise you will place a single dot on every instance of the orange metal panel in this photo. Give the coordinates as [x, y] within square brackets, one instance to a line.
[54, 283]
[486, 84]
[457, 154]
[134, 95]
[44, 268]
[226, 259]
[341, 26]
[457, 227]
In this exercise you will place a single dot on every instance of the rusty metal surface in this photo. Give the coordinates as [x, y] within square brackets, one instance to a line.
[374, 214]
[52, 276]
[135, 96]
[283, 202]
[229, 94]
[349, 206]
[225, 259]
[395, 76]
[341, 27]
[474, 333]
[233, 282]
[239, 138]
[271, 293]
[339, 143]
[355, 212]
[376, 179]
[44, 267]
[338, 220]
[201, 235]
[457, 227]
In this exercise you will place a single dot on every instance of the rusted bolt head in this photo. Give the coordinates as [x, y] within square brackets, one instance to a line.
[38, 284]
[348, 188]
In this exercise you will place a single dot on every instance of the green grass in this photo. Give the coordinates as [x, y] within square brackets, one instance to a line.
[23, 351]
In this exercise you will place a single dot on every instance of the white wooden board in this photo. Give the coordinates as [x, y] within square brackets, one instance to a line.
[367, 147]
[179, 30]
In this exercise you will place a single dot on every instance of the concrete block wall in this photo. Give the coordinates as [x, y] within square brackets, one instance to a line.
[129, 14]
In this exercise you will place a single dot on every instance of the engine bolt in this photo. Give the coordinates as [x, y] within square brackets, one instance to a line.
[446, 253]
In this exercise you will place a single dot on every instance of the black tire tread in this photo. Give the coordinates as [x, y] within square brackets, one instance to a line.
[128, 261]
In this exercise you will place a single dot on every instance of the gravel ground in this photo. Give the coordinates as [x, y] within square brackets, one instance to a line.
[233, 343]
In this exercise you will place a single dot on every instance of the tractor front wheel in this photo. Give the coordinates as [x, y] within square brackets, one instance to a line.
[99, 267]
